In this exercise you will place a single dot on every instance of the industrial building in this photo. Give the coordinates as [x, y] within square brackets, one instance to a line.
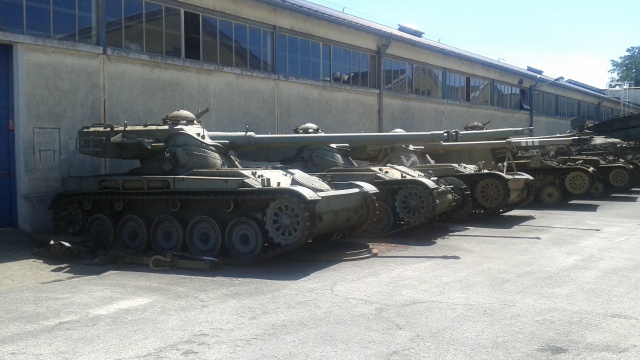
[268, 65]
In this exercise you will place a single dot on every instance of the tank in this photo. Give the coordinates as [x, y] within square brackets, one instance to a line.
[617, 170]
[554, 182]
[189, 194]
[490, 191]
[406, 198]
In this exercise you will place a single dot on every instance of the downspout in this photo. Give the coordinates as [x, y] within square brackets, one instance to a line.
[382, 49]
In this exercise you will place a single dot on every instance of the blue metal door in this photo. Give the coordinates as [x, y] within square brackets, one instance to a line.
[7, 167]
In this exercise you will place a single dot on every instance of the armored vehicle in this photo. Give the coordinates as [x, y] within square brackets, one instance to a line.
[407, 197]
[616, 169]
[189, 189]
[553, 181]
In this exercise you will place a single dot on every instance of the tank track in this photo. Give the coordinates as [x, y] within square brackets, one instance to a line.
[267, 252]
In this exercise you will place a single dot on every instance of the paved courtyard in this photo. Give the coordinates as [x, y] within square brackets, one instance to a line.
[535, 283]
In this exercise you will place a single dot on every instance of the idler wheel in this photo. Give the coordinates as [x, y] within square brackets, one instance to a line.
[550, 194]
[68, 218]
[204, 236]
[597, 189]
[577, 182]
[243, 239]
[166, 234]
[287, 221]
[491, 193]
[414, 204]
[100, 230]
[619, 178]
[132, 233]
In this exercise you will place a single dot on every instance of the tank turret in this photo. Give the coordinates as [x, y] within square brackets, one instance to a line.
[189, 194]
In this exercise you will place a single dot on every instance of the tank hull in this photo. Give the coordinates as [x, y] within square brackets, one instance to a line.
[198, 212]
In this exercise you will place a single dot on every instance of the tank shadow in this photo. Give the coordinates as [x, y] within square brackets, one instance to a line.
[569, 206]
[504, 221]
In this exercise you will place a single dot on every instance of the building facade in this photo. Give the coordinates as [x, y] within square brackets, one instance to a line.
[264, 64]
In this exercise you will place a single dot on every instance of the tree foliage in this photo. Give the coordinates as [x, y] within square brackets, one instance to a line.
[627, 68]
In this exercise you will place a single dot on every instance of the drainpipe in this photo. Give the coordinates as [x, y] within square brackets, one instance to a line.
[382, 49]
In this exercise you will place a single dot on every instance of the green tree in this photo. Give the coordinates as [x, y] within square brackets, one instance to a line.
[627, 68]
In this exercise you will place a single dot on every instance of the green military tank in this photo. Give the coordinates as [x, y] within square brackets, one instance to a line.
[406, 198]
[553, 181]
[616, 169]
[188, 192]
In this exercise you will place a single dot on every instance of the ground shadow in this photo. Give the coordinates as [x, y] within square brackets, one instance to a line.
[568, 206]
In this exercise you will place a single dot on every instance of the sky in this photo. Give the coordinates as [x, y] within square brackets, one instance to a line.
[576, 39]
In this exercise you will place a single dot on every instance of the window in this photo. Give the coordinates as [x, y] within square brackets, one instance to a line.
[113, 22]
[64, 20]
[309, 59]
[455, 86]
[479, 91]
[562, 106]
[549, 104]
[88, 21]
[209, 39]
[153, 28]
[192, 36]
[572, 108]
[588, 111]
[38, 17]
[240, 45]
[12, 16]
[133, 25]
[226, 42]
[172, 31]
[510, 97]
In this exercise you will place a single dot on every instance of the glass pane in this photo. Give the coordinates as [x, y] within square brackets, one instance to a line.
[226, 42]
[480, 92]
[395, 77]
[113, 18]
[388, 74]
[364, 70]
[267, 50]
[133, 25]
[12, 16]
[209, 39]
[293, 56]
[346, 66]
[241, 45]
[281, 61]
[336, 64]
[172, 31]
[305, 61]
[315, 61]
[38, 18]
[191, 35]
[326, 62]
[355, 68]
[255, 48]
[64, 20]
[88, 21]
[153, 21]
[373, 71]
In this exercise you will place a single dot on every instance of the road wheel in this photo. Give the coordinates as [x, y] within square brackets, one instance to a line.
[204, 236]
[166, 235]
[243, 239]
[577, 182]
[619, 178]
[550, 194]
[491, 193]
[99, 229]
[132, 233]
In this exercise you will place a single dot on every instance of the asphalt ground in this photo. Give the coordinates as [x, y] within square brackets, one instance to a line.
[535, 283]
